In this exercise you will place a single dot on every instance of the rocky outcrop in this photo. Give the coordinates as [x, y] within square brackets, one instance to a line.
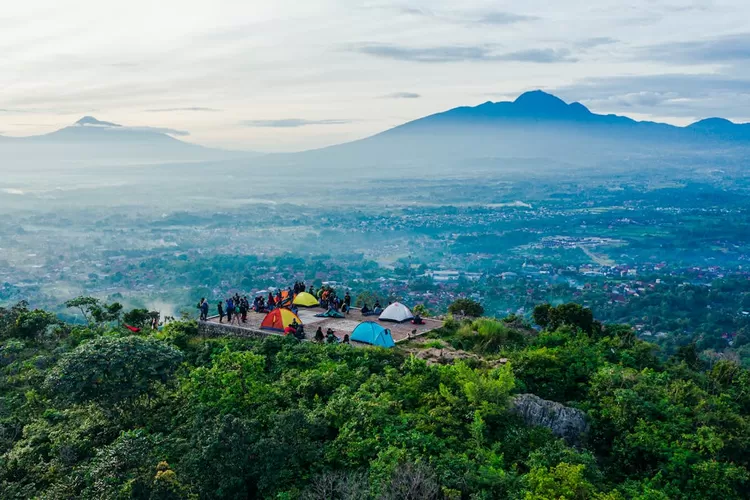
[564, 422]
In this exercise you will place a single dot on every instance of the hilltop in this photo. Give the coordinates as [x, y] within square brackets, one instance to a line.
[576, 410]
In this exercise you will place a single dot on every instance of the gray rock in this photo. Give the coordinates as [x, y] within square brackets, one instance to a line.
[564, 422]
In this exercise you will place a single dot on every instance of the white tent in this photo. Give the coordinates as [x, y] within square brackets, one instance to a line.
[396, 312]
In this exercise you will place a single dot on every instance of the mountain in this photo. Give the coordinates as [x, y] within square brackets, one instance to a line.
[536, 132]
[102, 142]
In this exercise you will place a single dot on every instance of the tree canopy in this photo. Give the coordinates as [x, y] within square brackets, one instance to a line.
[96, 412]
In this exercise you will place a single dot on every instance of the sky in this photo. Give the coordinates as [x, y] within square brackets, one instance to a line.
[289, 75]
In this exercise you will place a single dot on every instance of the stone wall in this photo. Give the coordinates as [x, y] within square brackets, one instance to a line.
[210, 329]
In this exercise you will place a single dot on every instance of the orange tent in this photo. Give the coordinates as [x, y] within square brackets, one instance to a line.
[278, 319]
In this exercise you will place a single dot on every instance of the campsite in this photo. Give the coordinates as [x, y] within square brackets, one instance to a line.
[341, 326]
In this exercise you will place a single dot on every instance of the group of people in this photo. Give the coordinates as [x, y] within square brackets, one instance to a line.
[297, 330]
[330, 300]
[236, 309]
[376, 310]
[329, 337]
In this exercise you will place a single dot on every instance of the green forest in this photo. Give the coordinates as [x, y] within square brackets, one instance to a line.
[94, 411]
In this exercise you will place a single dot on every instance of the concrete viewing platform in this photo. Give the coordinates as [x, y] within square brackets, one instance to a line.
[341, 326]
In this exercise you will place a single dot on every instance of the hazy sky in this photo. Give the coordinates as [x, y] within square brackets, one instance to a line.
[288, 75]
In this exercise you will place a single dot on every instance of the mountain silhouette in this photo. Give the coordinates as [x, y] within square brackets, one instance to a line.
[91, 139]
[539, 106]
[536, 132]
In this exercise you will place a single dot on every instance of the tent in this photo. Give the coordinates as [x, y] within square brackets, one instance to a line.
[372, 333]
[278, 319]
[331, 313]
[396, 312]
[304, 299]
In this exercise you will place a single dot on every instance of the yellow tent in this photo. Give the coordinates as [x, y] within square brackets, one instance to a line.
[304, 299]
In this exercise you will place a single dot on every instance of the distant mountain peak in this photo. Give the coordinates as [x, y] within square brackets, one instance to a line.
[713, 122]
[91, 121]
[539, 99]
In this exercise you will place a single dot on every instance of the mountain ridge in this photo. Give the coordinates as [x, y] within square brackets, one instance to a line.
[540, 104]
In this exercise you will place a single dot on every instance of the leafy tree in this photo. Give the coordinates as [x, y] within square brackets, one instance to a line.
[138, 318]
[87, 306]
[179, 333]
[542, 315]
[561, 481]
[108, 313]
[466, 307]
[575, 315]
[422, 310]
[112, 370]
[33, 324]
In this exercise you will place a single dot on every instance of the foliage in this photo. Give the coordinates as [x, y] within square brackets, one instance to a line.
[574, 315]
[170, 414]
[421, 310]
[466, 307]
[138, 318]
[112, 370]
[487, 336]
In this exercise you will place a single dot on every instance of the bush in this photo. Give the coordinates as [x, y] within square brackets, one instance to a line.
[487, 336]
[466, 307]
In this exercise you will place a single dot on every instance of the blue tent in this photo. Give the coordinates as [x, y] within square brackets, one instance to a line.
[372, 333]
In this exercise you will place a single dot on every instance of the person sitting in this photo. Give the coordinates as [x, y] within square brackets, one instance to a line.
[319, 335]
[331, 337]
[417, 320]
[346, 339]
[300, 333]
[365, 309]
[378, 308]
[290, 330]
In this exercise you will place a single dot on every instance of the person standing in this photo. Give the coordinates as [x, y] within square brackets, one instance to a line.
[244, 306]
[220, 307]
[204, 310]
[200, 308]
[230, 309]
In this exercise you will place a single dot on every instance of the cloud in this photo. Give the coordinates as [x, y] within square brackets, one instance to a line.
[159, 130]
[502, 18]
[455, 53]
[490, 17]
[539, 56]
[723, 49]
[668, 95]
[192, 108]
[292, 123]
[590, 43]
[402, 95]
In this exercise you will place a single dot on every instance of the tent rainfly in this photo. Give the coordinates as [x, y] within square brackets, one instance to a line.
[372, 333]
[304, 299]
[278, 319]
[396, 312]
